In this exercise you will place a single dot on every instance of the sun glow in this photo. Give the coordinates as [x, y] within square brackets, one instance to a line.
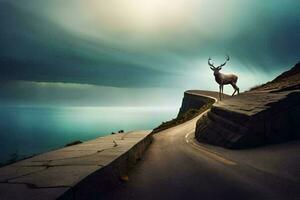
[142, 15]
[146, 22]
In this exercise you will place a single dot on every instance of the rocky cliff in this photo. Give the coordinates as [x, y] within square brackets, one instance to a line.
[266, 114]
[192, 100]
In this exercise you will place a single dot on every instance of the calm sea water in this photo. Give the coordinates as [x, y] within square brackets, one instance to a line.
[30, 130]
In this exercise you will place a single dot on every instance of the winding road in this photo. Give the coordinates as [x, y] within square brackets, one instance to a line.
[176, 166]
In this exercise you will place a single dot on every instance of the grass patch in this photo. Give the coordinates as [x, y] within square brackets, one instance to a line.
[184, 117]
[257, 86]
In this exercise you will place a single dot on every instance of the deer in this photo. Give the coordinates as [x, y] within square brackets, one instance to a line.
[224, 79]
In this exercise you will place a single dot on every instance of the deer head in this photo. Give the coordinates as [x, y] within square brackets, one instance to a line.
[216, 69]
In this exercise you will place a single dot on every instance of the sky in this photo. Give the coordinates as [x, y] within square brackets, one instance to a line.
[139, 52]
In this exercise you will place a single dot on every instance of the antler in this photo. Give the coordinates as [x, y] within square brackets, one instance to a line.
[227, 59]
[209, 63]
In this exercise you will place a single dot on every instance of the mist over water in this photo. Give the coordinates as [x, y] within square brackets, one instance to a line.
[31, 130]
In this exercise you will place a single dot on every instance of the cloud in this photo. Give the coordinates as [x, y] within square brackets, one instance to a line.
[58, 41]
[38, 50]
[29, 93]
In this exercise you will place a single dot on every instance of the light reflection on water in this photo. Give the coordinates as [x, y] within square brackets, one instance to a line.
[31, 130]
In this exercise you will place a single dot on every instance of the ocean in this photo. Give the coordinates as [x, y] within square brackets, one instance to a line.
[26, 131]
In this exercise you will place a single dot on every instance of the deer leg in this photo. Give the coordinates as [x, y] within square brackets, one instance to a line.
[235, 88]
[220, 87]
[223, 91]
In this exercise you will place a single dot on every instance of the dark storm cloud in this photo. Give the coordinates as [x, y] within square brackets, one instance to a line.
[259, 36]
[272, 40]
[35, 49]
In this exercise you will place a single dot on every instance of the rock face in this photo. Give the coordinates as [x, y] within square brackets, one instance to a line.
[267, 114]
[192, 100]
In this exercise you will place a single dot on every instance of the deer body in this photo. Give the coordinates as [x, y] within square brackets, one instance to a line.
[224, 79]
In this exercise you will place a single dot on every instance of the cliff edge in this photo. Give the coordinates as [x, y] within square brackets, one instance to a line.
[193, 100]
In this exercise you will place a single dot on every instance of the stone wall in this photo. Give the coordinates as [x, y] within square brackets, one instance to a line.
[82, 170]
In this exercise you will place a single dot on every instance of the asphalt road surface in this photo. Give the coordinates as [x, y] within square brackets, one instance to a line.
[176, 166]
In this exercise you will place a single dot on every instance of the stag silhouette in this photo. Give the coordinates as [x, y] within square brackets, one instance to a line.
[224, 79]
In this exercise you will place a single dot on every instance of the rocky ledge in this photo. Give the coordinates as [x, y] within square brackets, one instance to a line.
[196, 99]
[266, 114]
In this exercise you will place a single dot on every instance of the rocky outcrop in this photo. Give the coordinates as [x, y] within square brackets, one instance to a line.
[266, 115]
[192, 100]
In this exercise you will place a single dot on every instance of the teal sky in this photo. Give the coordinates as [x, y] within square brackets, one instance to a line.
[139, 52]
